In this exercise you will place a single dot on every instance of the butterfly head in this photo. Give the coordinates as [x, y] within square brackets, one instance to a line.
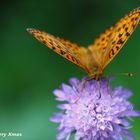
[95, 72]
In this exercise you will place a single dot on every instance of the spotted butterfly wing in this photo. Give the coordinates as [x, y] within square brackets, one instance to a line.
[112, 40]
[63, 47]
[121, 33]
[100, 44]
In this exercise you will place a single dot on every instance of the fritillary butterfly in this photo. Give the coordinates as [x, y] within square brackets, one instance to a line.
[98, 55]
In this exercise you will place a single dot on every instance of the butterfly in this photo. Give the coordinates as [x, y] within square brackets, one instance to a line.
[95, 58]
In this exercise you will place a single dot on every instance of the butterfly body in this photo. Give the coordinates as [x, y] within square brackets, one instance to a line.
[98, 55]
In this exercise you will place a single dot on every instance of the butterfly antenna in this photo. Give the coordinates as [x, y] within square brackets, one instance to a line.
[127, 74]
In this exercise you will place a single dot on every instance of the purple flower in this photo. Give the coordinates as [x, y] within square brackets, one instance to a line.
[93, 112]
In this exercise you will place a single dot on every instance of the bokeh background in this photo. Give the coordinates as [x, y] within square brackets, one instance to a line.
[29, 72]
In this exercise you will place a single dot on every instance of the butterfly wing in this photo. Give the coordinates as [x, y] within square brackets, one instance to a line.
[98, 47]
[64, 48]
[120, 34]
[100, 44]
[112, 40]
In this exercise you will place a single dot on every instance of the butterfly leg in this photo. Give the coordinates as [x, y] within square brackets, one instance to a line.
[84, 84]
[96, 77]
[108, 83]
[99, 92]
[81, 92]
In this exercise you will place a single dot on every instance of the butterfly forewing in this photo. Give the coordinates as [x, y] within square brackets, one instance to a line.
[69, 45]
[64, 48]
[109, 43]
[120, 34]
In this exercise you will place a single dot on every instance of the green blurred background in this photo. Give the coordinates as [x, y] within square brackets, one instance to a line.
[29, 72]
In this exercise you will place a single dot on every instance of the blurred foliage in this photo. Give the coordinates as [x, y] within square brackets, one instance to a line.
[29, 72]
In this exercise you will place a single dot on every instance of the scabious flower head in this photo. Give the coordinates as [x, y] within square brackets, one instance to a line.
[100, 113]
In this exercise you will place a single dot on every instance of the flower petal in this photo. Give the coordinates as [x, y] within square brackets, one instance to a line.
[127, 134]
[57, 117]
[74, 81]
[60, 94]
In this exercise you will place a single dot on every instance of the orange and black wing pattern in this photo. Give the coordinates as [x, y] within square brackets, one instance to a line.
[60, 46]
[120, 34]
